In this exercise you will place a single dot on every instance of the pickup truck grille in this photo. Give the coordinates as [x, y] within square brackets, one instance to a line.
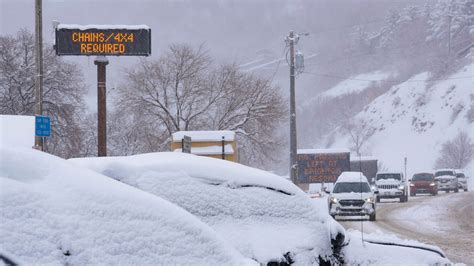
[387, 186]
[351, 202]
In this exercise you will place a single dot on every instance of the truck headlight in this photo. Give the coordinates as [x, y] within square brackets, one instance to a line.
[432, 184]
[370, 200]
[401, 187]
[333, 200]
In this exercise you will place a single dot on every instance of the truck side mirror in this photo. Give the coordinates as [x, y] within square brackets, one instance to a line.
[376, 192]
[409, 180]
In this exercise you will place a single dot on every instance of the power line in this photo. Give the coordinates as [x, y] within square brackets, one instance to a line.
[388, 80]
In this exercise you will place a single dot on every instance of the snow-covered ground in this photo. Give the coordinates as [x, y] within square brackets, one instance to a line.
[413, 119]
[355, 84]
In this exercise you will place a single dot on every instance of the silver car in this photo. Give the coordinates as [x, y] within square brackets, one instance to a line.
[447, 180]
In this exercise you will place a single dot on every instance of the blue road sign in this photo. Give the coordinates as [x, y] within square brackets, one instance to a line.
[43, 126]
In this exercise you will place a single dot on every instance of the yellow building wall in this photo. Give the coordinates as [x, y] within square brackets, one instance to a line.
[230, 157]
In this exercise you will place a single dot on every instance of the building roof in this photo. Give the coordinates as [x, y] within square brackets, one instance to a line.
[204, 136]
[322, 151]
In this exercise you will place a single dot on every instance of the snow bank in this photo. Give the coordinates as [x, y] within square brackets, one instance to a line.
[365, 253]
[203, 136]
[17, 131]
[55, 213]
[263, 215]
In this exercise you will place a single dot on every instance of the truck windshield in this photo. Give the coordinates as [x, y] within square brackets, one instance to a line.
[348, 187]
[423, 177]
[388, 176]
[440, 173]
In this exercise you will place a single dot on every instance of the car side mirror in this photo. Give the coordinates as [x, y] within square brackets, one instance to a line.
[327, 190]
[376, 192]
[409, 180]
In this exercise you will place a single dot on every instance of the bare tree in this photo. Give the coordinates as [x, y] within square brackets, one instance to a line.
[359, 134]
[182, 90]
[456, 153]
[63, 90]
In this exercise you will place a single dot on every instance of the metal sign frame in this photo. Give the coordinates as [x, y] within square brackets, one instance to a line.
[103, 41]
[42, 126]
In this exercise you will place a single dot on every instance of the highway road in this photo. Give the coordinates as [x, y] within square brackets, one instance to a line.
[446, 221]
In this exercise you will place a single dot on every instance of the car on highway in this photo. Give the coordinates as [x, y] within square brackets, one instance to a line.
[352, 196]
[447, 180]
[462, 180]
[391, 185]
[423, 183]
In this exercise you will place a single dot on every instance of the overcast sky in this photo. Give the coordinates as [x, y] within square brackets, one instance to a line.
[232, 30]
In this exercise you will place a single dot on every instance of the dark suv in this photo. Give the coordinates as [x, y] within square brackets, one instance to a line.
[423, 183]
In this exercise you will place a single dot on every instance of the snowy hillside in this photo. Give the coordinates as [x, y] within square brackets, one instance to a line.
[414, 118]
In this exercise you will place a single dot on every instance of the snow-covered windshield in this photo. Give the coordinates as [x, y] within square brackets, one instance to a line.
[440, 173]
[348, 187]
[423, 177]
[389, 176]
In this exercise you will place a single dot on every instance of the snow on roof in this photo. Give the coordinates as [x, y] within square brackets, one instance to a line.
[263, 215]
[318, 151]
[51, 207]
[103, 27]
[211, 150]
[17, 131]
[351, 177]
[355, 158]
[202, 136]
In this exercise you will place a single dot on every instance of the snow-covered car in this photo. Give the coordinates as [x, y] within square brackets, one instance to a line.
[352, 196]
[423, 183]
[55, 213]
[447, 180]
[462, 180]
[264, 216]
[391, 185]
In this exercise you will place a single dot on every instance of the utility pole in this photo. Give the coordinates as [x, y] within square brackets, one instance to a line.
[291, 41]
[450, 18]
[101, 62]
[39, 66]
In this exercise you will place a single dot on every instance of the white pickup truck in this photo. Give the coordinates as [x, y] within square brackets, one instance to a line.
[391, 185]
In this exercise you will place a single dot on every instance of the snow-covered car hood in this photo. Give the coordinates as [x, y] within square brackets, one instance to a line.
[388, 181]
[354, 196]
[261, 214]
[450, 177]
[53, 212]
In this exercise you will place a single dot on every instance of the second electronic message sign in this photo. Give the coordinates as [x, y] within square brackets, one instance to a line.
[103, 40]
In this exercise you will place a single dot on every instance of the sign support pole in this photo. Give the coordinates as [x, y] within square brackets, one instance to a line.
[101, 62]
[39, 66]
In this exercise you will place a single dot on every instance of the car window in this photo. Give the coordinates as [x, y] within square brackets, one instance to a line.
[388, 176]
[347, 187]
[460, 175]
[440, 173]
[423, 177]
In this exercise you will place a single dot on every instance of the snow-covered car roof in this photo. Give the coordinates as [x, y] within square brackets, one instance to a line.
[54, 212]
[263, 215]
[351, 177]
